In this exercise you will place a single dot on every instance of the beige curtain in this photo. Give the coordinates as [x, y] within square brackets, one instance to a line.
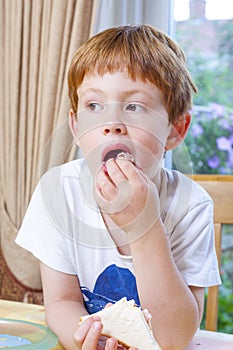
[37, 41]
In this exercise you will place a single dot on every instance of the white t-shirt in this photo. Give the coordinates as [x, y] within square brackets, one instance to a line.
[64, 228]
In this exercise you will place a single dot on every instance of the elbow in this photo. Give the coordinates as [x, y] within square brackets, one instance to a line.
[178, 345]
[177, 339]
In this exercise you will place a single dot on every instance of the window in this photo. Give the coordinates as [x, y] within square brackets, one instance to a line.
[205, 31]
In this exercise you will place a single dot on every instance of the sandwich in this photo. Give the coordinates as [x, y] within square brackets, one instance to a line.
[127, 323]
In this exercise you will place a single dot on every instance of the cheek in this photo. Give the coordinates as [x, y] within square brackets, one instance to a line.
[149, 153]
[88, 144]
[87, 132]
[154, 141]
[154, 124]
[88, 124]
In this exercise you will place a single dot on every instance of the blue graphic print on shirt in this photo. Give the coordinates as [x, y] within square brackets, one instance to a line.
[111, 285]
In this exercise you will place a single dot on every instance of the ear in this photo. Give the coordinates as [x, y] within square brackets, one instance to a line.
[178, 131]
[73, 123]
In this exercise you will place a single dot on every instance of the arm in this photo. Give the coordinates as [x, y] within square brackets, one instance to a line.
[176, 308]
[63, 308]
[63, 304]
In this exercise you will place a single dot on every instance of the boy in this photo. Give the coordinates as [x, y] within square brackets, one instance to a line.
[116, 223]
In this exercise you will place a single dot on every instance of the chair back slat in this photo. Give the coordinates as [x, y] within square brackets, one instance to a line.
[211, 322]
[220, 189]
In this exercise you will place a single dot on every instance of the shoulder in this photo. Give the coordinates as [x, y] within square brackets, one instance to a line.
[184, 200]
[71, 168]
[55, 177]
[54, 186]
[67, 189]
[186, 187]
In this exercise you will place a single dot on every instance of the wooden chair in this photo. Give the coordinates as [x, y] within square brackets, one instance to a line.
[220, 189]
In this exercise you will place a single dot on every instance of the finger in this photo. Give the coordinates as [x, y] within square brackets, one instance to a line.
[92, 337]
[106, 191]
[84, 328]
[108, 305]
[111, 344]
[114, 172]
[118, 202]
[104, 184]
[132, 173]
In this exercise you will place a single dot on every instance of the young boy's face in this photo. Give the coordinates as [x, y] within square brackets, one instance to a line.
[117, 114]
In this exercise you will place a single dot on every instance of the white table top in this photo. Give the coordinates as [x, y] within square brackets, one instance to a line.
[203, 340]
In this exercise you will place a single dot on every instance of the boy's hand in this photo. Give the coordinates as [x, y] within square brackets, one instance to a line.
[88, 337]
[126, 194]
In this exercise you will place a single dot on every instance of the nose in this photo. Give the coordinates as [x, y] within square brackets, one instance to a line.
[114, 128]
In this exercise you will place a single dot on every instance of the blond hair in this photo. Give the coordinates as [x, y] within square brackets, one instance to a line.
[146, 53]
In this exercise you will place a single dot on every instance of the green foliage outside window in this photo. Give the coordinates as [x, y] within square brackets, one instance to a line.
[208, 147]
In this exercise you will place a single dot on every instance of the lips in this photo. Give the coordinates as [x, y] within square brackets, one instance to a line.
[113, 150]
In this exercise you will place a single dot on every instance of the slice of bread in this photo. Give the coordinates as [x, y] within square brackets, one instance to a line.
[126, 323]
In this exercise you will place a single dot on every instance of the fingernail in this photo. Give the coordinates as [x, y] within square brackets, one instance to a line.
[77, 337]
[126, 156]
[97, 325]
[112, 343]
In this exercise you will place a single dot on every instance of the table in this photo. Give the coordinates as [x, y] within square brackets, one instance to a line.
[203, 340]
[206, 340]
[24, 312]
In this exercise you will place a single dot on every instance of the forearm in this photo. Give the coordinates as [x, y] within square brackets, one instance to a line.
[162, 290]
[63, 318]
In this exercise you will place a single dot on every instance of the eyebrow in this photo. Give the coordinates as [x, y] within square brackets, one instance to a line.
[89, 90]
[124, 94]
[136, 92]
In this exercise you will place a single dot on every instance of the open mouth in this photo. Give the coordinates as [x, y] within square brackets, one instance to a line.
[118, 153]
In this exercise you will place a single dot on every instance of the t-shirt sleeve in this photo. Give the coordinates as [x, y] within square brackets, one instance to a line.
[41, 230]
[194, 249]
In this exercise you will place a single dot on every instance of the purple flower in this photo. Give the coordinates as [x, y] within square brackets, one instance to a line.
[223, 143]
[224, 124]
[230, 159]
[213, 162]
[210, 116]
[223, 170]
[218, 109]
[197, 130]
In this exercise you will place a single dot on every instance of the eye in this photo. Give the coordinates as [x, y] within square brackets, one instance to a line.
[95, 107]
[134, 107]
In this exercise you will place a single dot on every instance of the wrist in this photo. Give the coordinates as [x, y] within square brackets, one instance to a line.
[140, 233]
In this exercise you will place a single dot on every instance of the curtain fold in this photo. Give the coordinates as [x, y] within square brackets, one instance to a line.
[111, 13]
[37, 40]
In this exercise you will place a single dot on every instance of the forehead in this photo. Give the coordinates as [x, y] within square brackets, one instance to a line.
[118, 82]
